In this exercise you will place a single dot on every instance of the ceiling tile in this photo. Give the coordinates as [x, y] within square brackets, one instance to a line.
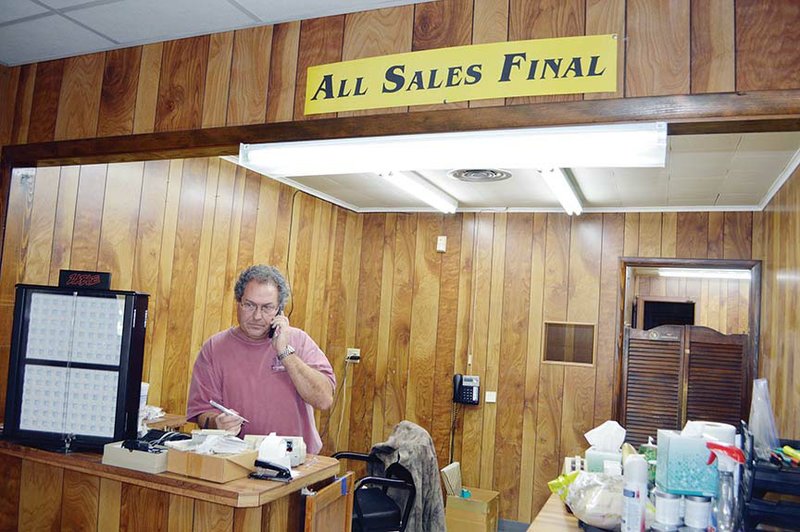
[704, 143]
[62, 4]
[272, 11]
[739, 200]
[17, 9]
[44, 38]
[175, 19]
[784, 141]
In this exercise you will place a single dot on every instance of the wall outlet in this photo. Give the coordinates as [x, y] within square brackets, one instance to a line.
[353, 355]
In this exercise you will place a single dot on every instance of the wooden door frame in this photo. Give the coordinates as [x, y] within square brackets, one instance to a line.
[628, 264]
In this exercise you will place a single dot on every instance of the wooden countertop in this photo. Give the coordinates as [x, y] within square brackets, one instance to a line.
[240, 493]
[554, 517]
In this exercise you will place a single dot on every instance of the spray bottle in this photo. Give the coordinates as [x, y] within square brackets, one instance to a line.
[634, 493]
[723, 512]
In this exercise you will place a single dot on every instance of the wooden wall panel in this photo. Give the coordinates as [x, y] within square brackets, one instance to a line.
[88, 217]
[493, 338]
[118, 95]
[79, 103]
[321, 42]
[283, 72]
[181, 87]
[713, 42]
[764, 30]
[40, 496]
[513, 355]
[45, 101]
[40, 234]
[247, 101]
[779, 224]
[143, 509]
[9, 80]
[489, 24]
[446, 336]
[117, 247]
[424, 321]
[184, 272]
[657, 55]
[184, 85]
[144, 116]
[23, 103]
[80, 500]
[542, 20]
[218, 79]
[604, 17]
[692, 235]
[9, 491]
[375, 33]
[441, 25]
[181, 513]
[109, 502]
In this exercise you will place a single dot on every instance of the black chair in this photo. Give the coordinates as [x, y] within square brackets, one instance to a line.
[375, 498]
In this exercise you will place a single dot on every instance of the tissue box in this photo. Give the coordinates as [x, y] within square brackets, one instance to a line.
[114, 454]
[595, 459]
[213, 467]
[682, 465]
[475, 514]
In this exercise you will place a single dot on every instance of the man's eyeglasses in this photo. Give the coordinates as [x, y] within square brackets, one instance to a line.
[251, 308]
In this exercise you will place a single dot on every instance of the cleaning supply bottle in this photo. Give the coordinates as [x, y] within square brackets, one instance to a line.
[723, 511]
[634, 493]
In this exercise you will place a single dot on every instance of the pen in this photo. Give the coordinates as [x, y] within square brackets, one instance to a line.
[226, 410]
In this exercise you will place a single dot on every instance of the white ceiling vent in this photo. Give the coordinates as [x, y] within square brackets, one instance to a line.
[479, 175]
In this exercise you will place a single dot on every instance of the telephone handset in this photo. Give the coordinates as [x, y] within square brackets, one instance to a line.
[272, 328]
[466, 389]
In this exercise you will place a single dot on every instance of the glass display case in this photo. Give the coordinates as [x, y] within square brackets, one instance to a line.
[75, 367]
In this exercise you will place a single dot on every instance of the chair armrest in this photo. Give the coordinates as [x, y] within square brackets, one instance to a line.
[348, 455]
[385, 482]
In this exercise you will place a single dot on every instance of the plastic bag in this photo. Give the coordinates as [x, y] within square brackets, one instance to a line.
[762, 421]
[560, 485]
[596, 499]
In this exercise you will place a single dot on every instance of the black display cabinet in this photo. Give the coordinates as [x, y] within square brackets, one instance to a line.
[75, 367]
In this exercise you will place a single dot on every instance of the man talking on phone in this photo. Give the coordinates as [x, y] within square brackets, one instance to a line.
[267, 375]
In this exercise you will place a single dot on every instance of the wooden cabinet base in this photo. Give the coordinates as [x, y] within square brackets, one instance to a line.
[40, 490]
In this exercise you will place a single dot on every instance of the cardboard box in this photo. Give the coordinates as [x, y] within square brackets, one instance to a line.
[114, 454]
[475, 514]
[213, 467]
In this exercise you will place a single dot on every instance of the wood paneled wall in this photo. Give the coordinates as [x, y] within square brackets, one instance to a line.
[777, 234]
[720, 304]
[257, 75]
[181, 230]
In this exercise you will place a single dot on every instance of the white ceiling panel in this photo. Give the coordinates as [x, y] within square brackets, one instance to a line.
[65, 4]
[17, 9]
[42, 38]
[272, 11]
[176, 18]
[704, 143]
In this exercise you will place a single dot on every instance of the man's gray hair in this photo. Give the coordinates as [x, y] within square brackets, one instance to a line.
[261, 273]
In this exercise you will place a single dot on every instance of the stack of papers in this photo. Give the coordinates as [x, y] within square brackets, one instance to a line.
[451, 476]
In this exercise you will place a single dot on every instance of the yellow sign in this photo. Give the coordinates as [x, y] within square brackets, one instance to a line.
[567, 65]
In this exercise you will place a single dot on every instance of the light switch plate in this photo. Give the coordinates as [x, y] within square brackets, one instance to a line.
[441, 243]
[491, 397]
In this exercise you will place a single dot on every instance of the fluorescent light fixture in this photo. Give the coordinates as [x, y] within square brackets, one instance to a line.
[612, 145]
[419, 187]
[560, 185]
[694, 273]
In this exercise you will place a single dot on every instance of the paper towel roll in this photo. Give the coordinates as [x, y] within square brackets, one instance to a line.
[721, 432]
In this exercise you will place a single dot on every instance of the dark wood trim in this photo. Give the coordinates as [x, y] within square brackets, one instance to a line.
[705, 113]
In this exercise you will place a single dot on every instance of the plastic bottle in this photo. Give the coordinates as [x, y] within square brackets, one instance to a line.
[723, 511]
[634, 493]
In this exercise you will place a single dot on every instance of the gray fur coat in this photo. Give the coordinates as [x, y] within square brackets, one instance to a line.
[413, 447]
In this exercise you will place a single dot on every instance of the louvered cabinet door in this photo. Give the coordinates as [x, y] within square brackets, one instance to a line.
[715, 373]
[652, 386]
